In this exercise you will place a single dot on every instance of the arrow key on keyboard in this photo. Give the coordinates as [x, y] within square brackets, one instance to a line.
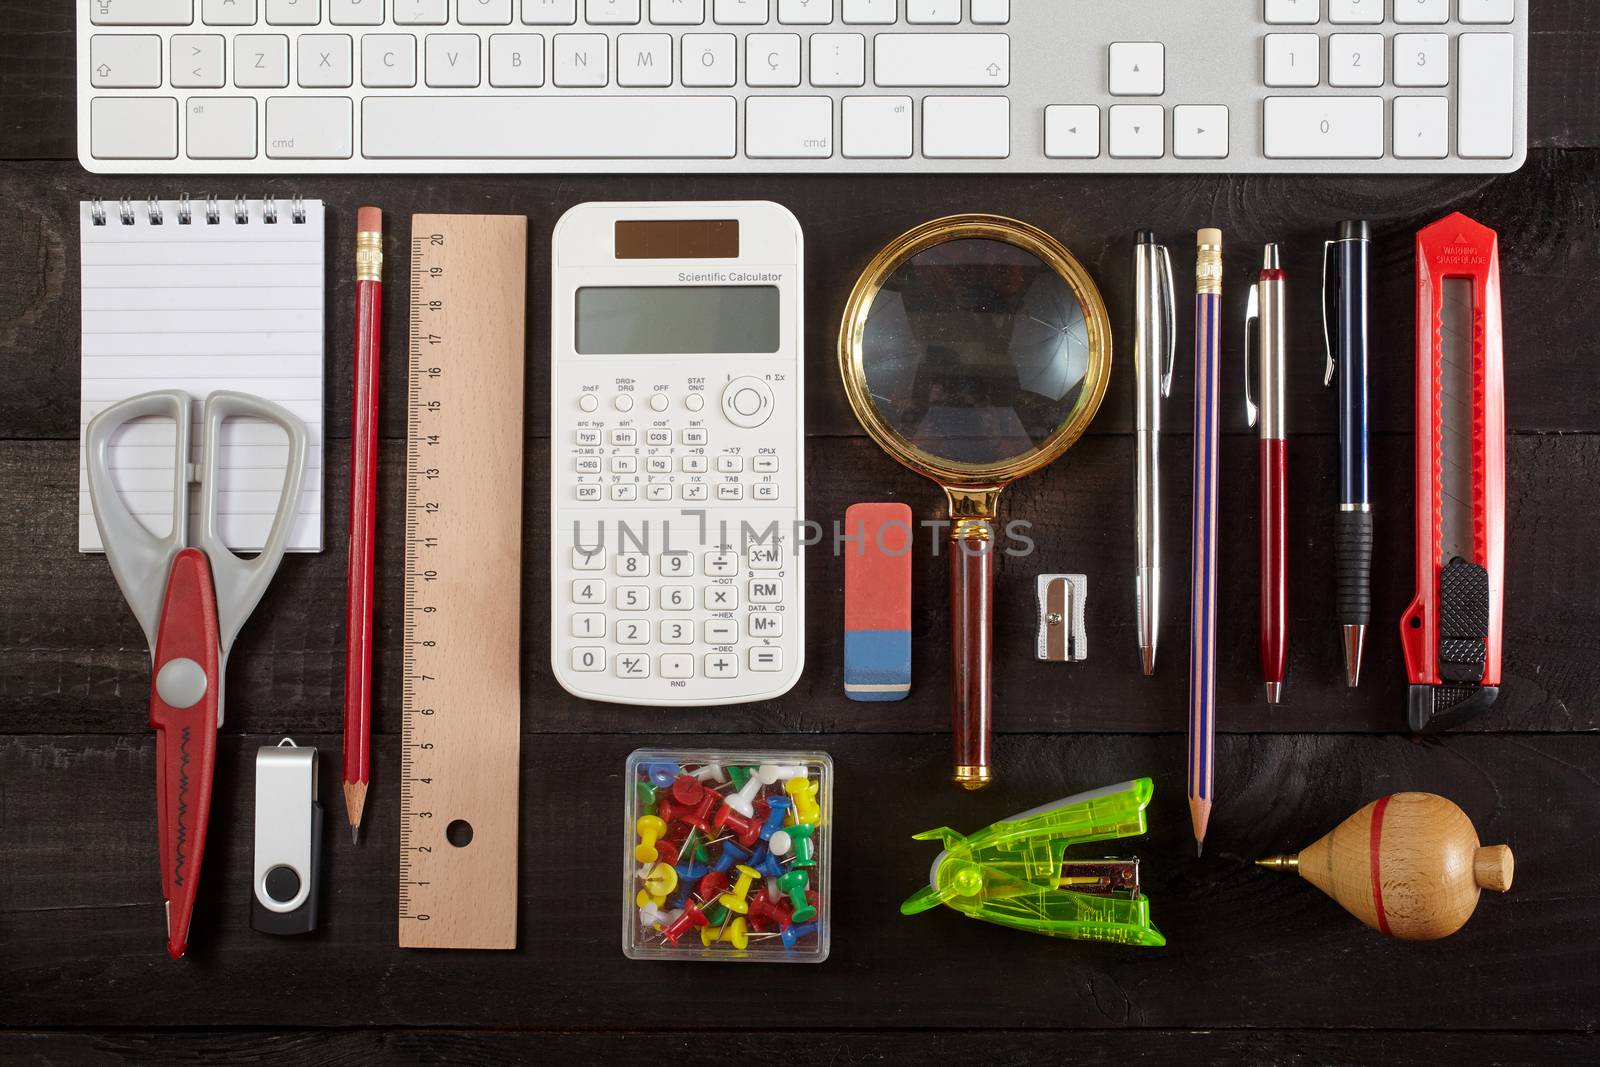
[1200, 131]
[1138, 131]
[1072, 131]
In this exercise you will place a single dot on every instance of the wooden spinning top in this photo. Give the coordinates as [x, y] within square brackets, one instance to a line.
[1408, 865]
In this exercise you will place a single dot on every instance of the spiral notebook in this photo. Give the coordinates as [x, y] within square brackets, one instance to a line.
[204, 295]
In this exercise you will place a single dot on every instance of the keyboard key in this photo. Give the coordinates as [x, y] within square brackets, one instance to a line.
[516, 60]
[708, 60]
[612, 12]
[965, 127]
[452, 61]
[388, 61]
[421, 12]
[721, 665]
[1294, 12]
[323, 61]
[658, 437]
[877, 127]
[141, 12]
[1293, 60]
[125, 61]
[941, 60]
[788, 127]
[727, 491]
[588, 660]
[721, 565]
[588, 558]
[658, 492]
[721, 632]
[933, 12]
[644, 60]
[549, 12]
[624, 464]
[764, 464]
[740, 12]
[133, 127]
[677, 564]
[658, 464]
[1355, 60]
[677, 632]
[693, 437]
[588, 591]
[677, 12]
[694, 464]
[221, 127]
[1138, 131]
[626, 493]
[355, 12]
[870, 12]
[581, 60]
[586, 438]
[633, 632]
[766, 659]
[677, 665]
[1072, 131]
[1138, 69]
[624, 438]
[633, 565]
[1200, 131]
[1421, 127]
[1487, 11]
[261, 61]
[294, 12]
[764, 624]
[589, 624]
[805, 12]
[1355, 11]
[721, 598]
[838, 60]
[677, 598]
[633, 665]
[696, 492]
[1421, 60]
[1484, 120]
[587, 492]
[309, 127]
[730, 464]
[1422, 12]
[1323, 127]
[765, 558]
[633, 598]
[766, 491]
[233, 12]
[991, 12]
[766, 591]
[771, 60]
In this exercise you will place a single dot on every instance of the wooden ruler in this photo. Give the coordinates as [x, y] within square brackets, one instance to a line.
[463, 566]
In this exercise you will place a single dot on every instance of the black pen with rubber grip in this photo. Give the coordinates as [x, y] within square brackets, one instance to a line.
[1346, 276]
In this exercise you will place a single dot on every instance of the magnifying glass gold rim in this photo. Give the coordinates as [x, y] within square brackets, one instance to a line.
[951, 473]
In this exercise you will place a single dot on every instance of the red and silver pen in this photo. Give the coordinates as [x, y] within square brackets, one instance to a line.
[1265, 336]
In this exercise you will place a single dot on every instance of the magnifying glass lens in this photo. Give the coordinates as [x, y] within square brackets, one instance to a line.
[979, 351]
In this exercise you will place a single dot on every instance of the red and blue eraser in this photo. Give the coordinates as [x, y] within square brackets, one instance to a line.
[877, 601]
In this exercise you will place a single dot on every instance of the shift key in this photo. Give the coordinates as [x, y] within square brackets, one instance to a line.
[942, 60]
[309, 127]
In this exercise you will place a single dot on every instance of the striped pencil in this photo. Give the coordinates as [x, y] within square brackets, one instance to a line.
[1203, 530]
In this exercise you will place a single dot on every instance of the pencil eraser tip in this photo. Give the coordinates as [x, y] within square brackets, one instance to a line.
[1210, 236]
[369, 220]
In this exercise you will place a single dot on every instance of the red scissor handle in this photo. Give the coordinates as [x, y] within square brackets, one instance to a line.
[185, 695]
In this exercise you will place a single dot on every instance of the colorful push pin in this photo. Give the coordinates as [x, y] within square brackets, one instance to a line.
[668, 811]
[805, 850]
[651, 829]
[711, 933]
[691, 869]
[687, 790]
[713, 885]
[734, 900]
[777, 808]
[737, 933]
[739, 775]
[651, 915]
[661, 880]
[796, 932]
[765, 914]
[767, 863]
[731, 854]
[774, 894]
[744, 800]
[780, 843]
[692, 916]
[662, 774]
[645, 793]
[716, 915]
[643, 897]
[711, 772]
[699, 816]
[804, 793]
[746, 831]
[794, 883]
[667, 851]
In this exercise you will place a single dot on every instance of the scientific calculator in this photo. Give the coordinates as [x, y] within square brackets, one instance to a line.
[677, 453]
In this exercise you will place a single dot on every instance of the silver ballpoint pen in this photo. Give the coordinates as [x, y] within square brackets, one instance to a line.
[1155, 343]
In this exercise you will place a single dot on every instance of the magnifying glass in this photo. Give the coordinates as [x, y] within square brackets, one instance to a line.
[975, 349]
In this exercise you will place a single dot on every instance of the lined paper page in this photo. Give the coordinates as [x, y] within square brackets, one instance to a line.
[205, 306]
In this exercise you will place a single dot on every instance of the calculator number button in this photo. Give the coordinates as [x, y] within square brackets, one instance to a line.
[677, 565]
[633, 598]
[677, 598]
[588, 591]
[633, 565]
[588, 559]
[677, 632]
[588, 660]
[589, 624]
[633, 665]
[633, 632]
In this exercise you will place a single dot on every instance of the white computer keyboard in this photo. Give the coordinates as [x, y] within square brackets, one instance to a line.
[1028, 86]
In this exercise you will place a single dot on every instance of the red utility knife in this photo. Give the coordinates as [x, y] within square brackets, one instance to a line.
[1451, 631]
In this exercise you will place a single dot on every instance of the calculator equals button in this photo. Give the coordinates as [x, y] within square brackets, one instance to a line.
[766, 659]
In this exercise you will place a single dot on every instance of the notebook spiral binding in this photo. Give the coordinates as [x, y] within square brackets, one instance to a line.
[156, 215]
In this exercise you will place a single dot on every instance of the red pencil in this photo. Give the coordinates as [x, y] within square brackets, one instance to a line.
[363, 516]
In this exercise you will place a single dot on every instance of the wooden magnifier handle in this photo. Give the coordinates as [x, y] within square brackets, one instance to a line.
[971, 625]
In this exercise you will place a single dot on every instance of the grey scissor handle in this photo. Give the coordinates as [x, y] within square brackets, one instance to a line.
[139, 560]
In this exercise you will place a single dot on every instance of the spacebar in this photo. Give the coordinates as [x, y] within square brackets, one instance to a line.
[549, 127]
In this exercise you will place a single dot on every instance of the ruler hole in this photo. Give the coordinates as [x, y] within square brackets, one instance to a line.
[459, 833]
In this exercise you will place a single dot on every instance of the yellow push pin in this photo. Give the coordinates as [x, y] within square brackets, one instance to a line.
[661, 880]
[737, 933]
[734, 900]
[651, 829]
[709, 935]
[804, 793]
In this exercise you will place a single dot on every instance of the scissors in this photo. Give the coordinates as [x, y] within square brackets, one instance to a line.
[191, 601]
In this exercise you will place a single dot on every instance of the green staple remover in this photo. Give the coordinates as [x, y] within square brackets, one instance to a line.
[1016, 873]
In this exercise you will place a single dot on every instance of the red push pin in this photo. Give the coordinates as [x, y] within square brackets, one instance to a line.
[687, 790]
[692, 916]
[746, 831]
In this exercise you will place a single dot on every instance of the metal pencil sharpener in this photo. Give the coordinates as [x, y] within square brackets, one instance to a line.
[1062, 636]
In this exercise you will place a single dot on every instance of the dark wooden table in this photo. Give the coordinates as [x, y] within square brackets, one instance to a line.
[1259, 967]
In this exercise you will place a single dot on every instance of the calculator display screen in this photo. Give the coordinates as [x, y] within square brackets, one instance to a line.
[677, 320]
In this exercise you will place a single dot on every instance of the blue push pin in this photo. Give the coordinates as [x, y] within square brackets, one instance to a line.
[779, 806]
[795, 933]
[731, 854]
[662, 775]
[765, 862]
[691, 870]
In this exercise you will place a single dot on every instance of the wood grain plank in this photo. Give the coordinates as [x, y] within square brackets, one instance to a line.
[1548, 215]
[72, 658]
[79, 899]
